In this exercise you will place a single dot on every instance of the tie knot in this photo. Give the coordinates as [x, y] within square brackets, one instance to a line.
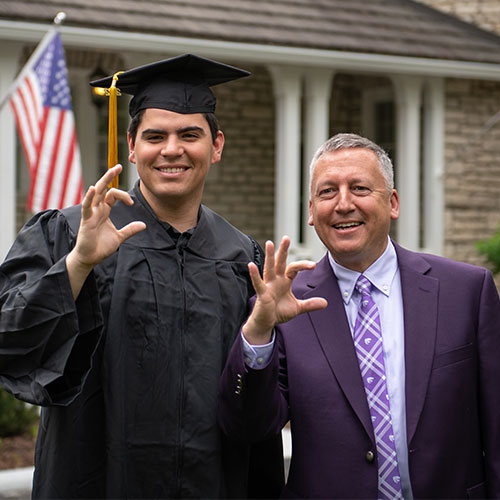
[364, 286]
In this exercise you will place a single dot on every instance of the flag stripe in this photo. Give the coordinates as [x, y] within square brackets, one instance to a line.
[32, 129]
[62, 161]
[26, 140]
[43, 168]
[39, 173]
[35, 96]
[53, 153]
[67, 168]
[75, 188]
[30, 109]
[34, 102]
[41, 103]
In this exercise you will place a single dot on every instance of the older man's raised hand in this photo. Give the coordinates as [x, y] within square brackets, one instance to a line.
[275, 301]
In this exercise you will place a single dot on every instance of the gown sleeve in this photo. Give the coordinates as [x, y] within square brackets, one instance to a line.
[46, 337]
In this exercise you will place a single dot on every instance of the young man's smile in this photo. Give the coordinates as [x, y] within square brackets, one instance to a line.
[173, 153]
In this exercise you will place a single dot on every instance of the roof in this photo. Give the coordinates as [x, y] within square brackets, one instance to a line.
[392, 27]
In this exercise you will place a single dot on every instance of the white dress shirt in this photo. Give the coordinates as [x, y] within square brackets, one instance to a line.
[386, 293]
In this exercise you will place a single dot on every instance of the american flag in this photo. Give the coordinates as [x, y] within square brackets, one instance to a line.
[41, 102]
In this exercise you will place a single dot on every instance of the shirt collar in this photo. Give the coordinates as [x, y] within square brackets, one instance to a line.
[381, 273]
[171, 230]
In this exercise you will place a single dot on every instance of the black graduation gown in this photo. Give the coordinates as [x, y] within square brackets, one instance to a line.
[128, 375]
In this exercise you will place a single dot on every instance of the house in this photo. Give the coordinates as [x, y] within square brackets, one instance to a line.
[420, 82]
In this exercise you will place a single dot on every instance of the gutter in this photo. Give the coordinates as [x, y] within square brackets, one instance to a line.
[99, 39]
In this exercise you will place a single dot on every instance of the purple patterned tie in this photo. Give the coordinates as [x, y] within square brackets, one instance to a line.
[368, 343]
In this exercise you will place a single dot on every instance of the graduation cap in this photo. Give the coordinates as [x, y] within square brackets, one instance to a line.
[180, 84]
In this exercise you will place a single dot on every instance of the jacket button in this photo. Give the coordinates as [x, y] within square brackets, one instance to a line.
[370, 456]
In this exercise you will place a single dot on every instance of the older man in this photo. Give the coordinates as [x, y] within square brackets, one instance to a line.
[385, 361]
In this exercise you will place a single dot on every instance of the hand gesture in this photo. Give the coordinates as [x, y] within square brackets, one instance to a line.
[275, 301]
[97, 237]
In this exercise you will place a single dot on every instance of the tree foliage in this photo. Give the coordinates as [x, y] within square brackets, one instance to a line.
[16, 417]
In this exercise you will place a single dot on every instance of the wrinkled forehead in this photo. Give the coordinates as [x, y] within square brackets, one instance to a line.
[347, 159]
[348, 165]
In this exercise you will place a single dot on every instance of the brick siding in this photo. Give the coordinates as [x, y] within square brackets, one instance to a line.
[241, 186]
[472, 172]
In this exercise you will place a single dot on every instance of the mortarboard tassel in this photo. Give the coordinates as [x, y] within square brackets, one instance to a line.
[113, 92]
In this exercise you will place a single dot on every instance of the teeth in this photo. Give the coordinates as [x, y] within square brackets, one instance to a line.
[171, 170]
[347, 225]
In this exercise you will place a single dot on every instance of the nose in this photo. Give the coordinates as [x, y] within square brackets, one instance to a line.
[172, 147]
[344, 201]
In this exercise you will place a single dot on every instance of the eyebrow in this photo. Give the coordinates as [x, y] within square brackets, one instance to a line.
[161, 131]
[191, 129]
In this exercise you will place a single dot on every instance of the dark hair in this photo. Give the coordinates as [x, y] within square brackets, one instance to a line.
[134, 124]
[213, 124]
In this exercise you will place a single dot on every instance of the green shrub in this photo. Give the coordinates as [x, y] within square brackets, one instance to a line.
[490, 248]
[16, 417]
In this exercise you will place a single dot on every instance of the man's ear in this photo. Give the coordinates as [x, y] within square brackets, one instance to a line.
[310, 220]
[218, 146]
[131, 149]
[394, 205]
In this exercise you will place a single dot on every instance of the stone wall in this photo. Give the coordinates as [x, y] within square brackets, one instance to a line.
[241, 186]
[472, 170]
[346, 104]
[472, 166]
[483, 13]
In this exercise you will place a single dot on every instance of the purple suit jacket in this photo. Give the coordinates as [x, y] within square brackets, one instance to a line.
[452, 363]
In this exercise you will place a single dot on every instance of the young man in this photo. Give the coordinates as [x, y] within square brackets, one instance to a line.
[117, 316]
[389, 377]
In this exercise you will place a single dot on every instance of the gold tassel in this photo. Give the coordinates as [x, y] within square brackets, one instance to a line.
[113, 92]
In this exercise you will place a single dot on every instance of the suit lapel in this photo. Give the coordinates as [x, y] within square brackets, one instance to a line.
[420, 306]
[334, 336]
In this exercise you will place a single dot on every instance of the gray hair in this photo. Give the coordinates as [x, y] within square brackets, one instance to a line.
[351, 141]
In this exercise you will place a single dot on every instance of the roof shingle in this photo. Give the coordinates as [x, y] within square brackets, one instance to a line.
[392, 27]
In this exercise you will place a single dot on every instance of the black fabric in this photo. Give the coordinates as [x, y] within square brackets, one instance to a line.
[180, 84]
[128, 374]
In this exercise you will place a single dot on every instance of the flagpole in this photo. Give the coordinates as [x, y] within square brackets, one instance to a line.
[58, 20]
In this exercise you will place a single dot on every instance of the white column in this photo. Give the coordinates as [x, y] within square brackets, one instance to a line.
[287, 90]
[433, 164]
[318, 84]
[408, 105]
[86, 124]
[9, 57]
[133, 60]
